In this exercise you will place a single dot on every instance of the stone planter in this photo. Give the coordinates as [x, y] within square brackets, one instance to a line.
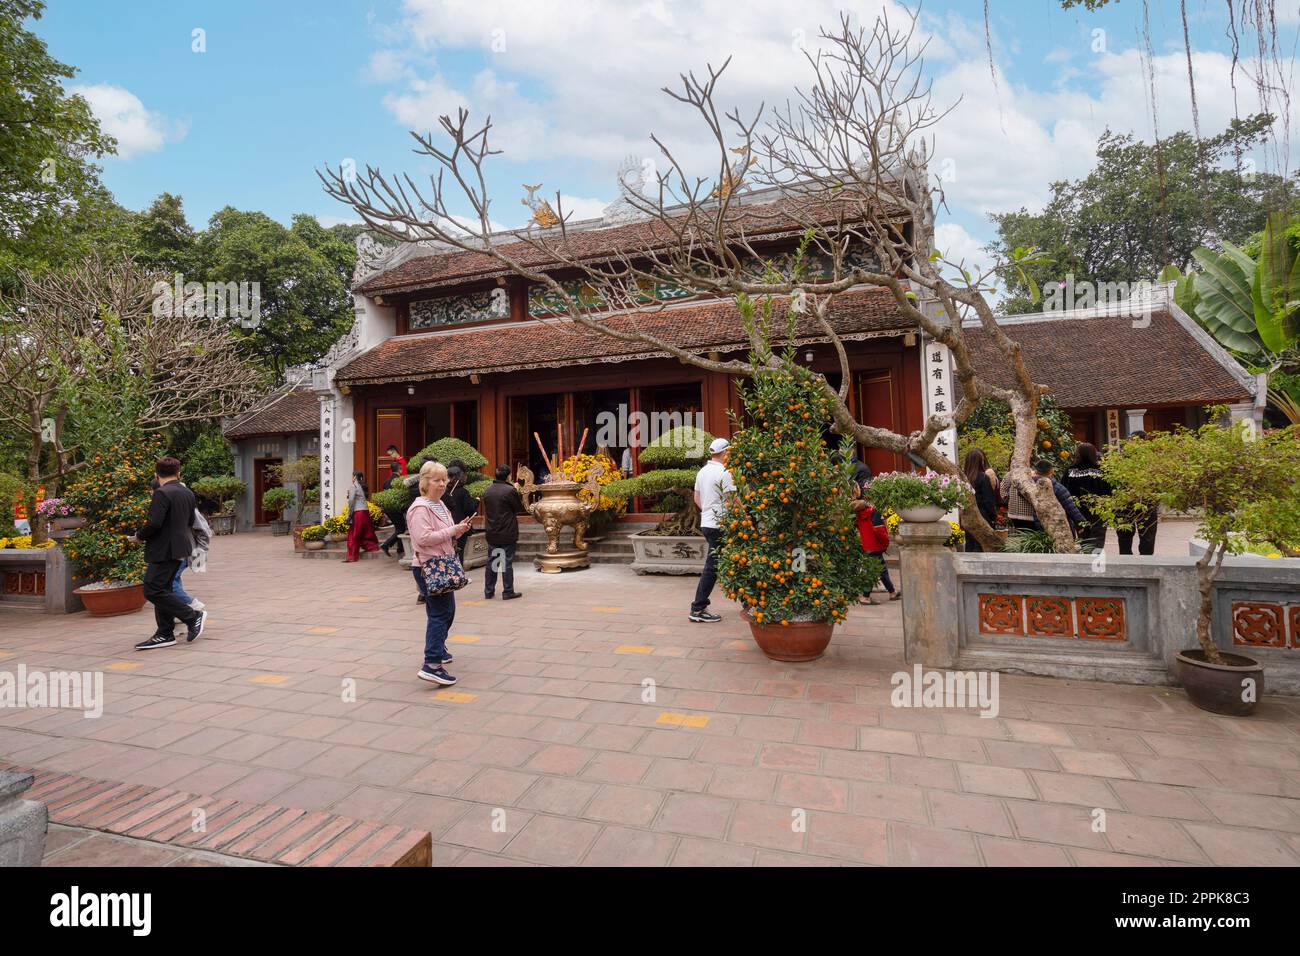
[313, 546]
[39, 578]
[22, 822]
[668, 554]
[67, 524]
[405, 559]
[280, 527]
[922, 514]
[796, 641]
[110, 602]
[1220, 688]
[222, 524]
[476, 551]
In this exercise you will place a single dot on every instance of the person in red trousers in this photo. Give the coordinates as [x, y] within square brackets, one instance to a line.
[361, 531]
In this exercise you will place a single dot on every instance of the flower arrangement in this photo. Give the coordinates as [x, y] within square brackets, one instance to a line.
[313, 532]
[957, 536]
[336, 525]
[897, 490]
[790, 548]
[578, 468]
[113, 493]
[52, 508]
[25, 541]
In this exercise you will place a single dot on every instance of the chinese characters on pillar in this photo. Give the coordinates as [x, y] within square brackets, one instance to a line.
[939, 398]
[1112, 426]
[327, 458]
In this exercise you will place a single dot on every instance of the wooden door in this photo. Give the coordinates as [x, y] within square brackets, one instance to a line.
[877, 406]
[390, 429]
[262, 483]
[519, 437]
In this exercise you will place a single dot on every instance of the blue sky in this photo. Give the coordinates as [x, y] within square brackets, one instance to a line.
[287, 86]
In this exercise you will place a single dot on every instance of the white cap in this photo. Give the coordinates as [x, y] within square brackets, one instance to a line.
[719, 446]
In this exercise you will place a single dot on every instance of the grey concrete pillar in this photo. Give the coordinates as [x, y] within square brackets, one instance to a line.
[22, 822]
[1135, 418]
[930, 604]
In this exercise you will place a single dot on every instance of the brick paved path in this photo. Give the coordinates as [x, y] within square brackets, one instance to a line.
[546, 752]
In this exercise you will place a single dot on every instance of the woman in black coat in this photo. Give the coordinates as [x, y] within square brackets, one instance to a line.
[984, 480]
[459, 502]
[1083, 480]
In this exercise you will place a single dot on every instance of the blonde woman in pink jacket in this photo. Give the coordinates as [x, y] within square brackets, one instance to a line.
[434, 532]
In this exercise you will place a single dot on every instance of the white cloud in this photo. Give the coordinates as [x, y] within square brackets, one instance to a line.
[122, 116]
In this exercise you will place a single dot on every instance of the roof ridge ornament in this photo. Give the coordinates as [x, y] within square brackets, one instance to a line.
[371, 258]
[543, 214]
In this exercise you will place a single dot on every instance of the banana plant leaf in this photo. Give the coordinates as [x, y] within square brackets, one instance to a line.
[1276, 288]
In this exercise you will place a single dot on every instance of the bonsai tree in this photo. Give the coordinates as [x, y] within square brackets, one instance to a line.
[305, 473]
[278, 500]
[1241, 485]
[113, 493]
[675, 457]
[223, 488]
[444, 450]
[790, 549]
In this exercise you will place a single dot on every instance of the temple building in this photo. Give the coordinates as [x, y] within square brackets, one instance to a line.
[450, 343]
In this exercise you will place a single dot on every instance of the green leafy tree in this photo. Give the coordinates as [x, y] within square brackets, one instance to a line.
[1141, 209]
[674, 457]
[207, 456]
[1240, 485]
[304, 303]
[51, 201]
[992, 427]
[163, 240]
[790, 549]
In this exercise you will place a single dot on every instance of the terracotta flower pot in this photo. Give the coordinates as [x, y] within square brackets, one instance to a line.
[796, 641]
[109, 602]
[1221, 688]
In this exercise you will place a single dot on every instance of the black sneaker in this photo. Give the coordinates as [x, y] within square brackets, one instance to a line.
[488, 597]
[511, 595]
[158, 640]
[195, 627]
[419, 599]
[435, 675]
[448, 658]
[704, 617]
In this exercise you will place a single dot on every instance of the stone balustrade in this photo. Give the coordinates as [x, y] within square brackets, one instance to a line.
[1120, 618]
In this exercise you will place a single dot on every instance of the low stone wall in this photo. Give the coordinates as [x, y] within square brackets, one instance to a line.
[1122, 619]
[39, 578]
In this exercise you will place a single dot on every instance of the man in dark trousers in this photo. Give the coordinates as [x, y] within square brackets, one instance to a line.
[502, 505]
[167, 541]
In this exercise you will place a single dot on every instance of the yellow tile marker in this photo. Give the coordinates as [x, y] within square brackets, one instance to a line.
[359, 599]
[471, 602]
[455, 697]
[4, 654]
[124, 666]
[322, 630]
[683, 720]
[633, 649]
[268, 679]
[607, 610]
[464, 638]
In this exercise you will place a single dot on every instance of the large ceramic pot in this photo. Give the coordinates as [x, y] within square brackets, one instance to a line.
[922, 513]
[1221, 688]
[281, 527]
[109, 602]
[796, 641]
[222, 524]
[313, 545]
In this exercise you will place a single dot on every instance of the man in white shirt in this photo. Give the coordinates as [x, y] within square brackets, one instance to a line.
[712, 485]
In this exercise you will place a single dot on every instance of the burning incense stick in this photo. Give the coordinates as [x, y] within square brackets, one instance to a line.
[545, 457]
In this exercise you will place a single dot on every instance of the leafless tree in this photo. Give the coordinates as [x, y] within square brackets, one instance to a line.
[84, 361]
[845, 161]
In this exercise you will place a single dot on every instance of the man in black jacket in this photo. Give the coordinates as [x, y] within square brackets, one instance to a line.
[502, 505]
[167, 542]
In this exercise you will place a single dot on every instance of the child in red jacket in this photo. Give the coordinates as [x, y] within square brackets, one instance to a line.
[875, 540]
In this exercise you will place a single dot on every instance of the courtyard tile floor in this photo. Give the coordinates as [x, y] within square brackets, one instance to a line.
[593, 724]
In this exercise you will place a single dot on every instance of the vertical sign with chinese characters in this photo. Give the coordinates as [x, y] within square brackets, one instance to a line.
[937, 371]
[327, 457]
[1112, 426]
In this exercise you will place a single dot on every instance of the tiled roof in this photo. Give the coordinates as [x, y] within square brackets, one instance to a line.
[751, 220]
[506, 348]
[1107, 362]
[282, 413]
